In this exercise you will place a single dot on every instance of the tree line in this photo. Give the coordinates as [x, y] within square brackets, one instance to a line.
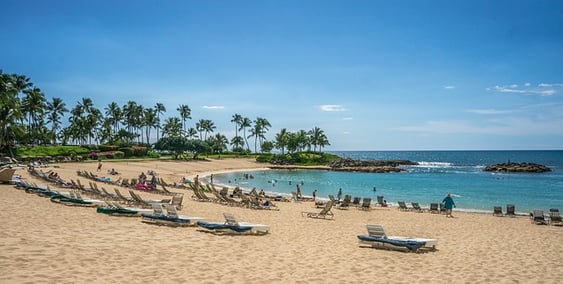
[27, 117]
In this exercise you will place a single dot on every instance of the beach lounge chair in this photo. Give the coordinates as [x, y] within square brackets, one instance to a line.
[510, 210]
[555, 217]
[172, 218]
[126, 199]
[366, 204]
[109, 194]
[416, 207]
[380, 201]
[377, 238]
[538, 218]
[177, 201]
[345, 204]
[325, 213]
[434, 208]
[6, 174]
[145, 203]
[403, 206]
[198, 195]
[497, 211]
[231, 225]
[356, 201]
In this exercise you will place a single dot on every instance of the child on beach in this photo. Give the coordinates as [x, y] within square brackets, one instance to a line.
[449, 204]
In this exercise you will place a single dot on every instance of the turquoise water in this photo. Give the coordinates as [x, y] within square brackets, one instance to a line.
[439, 173]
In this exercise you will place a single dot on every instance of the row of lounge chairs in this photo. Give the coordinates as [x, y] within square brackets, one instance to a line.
[230, 226]
[251, 200]
[415, 207]
[348, 202]
[128, 183]
[510, 211]
[539, 218]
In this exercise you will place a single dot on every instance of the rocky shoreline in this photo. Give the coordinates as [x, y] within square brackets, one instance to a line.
[350, 165]
[517, 168]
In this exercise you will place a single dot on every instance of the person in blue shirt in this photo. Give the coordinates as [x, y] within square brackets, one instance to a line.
[449, 204]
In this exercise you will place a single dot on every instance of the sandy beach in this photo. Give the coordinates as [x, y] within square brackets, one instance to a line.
[45, 242]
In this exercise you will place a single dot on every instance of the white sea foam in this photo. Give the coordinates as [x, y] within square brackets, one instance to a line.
[424, 164]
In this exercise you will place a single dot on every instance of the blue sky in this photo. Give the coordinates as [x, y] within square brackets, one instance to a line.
[374, 75]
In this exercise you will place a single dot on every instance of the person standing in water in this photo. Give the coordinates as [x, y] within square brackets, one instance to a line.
[449, 204]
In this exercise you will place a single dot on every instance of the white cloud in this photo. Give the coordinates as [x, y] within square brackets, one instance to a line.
[332, 108]
[348, 118]
[449, 87]
[489, 111]
[550, 85]
[543, 89]
[213, 107]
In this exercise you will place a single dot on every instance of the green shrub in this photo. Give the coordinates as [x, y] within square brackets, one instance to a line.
[153, 154]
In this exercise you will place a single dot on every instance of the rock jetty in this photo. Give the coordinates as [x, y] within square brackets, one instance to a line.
[369, 166]
[517, 167]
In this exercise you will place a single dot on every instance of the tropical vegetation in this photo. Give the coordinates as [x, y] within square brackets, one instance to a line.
[28, 119]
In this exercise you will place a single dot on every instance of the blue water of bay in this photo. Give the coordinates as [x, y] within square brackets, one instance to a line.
[438, 173]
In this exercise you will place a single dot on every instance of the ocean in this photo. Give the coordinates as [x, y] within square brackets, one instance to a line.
[438, 173]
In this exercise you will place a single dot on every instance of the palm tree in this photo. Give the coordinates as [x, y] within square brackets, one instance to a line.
[244, 123]
[237, 142]
[160, 109]
[281, 139]
[83, 121]
[191, 133]
[205, 125]
[172, 127]
[55, 110]
[302, 139]
[237, 118]
[261, 126]
[10, 112]
[132, 114]
[185, 113]
[315, 137]
[33, 105]
[149, 121]
[114, 115]
[218, 143]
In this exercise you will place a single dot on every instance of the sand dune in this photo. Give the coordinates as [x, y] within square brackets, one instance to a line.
[44, 242]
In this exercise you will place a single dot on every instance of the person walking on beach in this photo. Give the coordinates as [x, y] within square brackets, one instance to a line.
[449, 204]
[99, 166]
[339, 195]
[196, 181]
[314, 195]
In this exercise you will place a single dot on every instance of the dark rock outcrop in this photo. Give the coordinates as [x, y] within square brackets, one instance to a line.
[517, 167]
[370, 166]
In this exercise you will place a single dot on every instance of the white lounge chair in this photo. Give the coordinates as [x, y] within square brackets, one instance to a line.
[377, 238]
[324, 214]
[231, 225]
